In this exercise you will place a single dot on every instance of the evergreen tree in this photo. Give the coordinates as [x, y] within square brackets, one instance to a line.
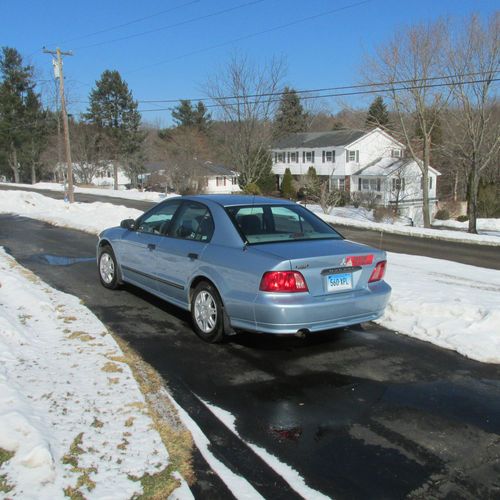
[377, 114]
[113, 109]
[187, 115]
[287, 185]
[183, 114]
[290, 116]
[16, 98]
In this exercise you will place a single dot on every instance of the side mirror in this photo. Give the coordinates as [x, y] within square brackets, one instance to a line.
[128, 224]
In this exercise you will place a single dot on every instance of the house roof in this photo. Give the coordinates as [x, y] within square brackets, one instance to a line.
[215, 169]
[386, 166]
[319, 139]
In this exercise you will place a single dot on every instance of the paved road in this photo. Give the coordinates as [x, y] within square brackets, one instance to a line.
[359, 413]
[466, 253]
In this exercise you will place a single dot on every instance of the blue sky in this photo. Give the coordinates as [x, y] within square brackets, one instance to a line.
[175, 61]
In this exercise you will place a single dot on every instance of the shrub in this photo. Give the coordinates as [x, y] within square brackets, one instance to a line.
[287, 185]
[442, 214]
[252, 188]
[383, 214]
[462, 218]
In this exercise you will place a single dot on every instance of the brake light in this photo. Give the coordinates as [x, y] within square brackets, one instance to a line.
[359, 260]
[283, 281]
[379, 271]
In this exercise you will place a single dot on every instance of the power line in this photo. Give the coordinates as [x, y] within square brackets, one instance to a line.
[308, 91]
[251, 35]
[344, 94]
[174, 25]
[133, 21]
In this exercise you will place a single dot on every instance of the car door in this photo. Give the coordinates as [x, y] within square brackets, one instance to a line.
[138, 257]
[179, 254]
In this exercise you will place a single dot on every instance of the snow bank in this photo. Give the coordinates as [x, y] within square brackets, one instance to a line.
[70, 408]
[89, 217]
[129, 194]
[452, 305]
[483, 225]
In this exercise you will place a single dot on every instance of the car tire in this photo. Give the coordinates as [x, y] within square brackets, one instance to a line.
[207, 313]
[108, 268]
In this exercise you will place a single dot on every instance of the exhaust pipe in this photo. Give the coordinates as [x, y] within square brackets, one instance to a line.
[301, 333]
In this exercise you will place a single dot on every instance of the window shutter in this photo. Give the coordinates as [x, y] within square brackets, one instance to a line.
[357, 155]
[313, 156]
[430, 182]
[297, 157]
[378, 184]
[347, 155]
[323, 155]
[303, 156]
[333, 156]
[359, 184]
[275, 157]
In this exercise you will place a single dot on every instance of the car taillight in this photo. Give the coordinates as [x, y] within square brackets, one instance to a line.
[283, 281]
[359, 260]
[379, 271]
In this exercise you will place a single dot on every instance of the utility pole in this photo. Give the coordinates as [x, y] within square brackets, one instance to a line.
[58, 70]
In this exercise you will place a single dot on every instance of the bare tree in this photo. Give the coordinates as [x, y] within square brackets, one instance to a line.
[474, 56]
[414, 55]
[249, 112]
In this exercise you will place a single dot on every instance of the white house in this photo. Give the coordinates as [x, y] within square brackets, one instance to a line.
[219, 179]
[372, 164]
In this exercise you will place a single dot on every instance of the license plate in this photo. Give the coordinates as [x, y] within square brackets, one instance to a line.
[337, 282]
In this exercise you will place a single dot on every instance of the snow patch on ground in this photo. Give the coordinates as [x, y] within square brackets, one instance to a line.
[129, 194]
[290, 475]
[89, 217]
[452, 305]
[484, 226]
[69, 405]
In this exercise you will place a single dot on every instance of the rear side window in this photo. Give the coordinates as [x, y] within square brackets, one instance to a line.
[193, 222]
[275, 223]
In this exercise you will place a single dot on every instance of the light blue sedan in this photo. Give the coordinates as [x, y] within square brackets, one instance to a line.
[247, 263]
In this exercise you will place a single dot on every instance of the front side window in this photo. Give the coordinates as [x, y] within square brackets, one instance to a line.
[193, 222]
[279, 223]
[157, 220]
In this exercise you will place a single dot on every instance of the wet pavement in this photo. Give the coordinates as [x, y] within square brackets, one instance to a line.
[359, 412]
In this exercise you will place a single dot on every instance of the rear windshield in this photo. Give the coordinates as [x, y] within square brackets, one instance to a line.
[277, 223]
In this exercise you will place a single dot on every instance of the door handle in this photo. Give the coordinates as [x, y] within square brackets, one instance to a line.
[192, 256]
[151, 246]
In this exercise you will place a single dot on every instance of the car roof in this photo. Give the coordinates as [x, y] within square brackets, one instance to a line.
[231, 200]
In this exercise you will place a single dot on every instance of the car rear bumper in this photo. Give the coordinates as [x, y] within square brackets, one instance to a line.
[288, 314]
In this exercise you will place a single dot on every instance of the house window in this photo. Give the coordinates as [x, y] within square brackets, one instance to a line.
[430, 182]
[396, 153]
[342, 184]
[294, 157]
[365, 184]
[330, 156]
[234, 181]
[309, 157]
[352, 155]
[281, 157]
[398, 184]
[220, 181]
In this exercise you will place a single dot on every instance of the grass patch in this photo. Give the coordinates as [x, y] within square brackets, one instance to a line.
[69, 319]
[154, 486]
[71, 458]
[5, 456]
[111, 367]
[97, 423]
[83, 336]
